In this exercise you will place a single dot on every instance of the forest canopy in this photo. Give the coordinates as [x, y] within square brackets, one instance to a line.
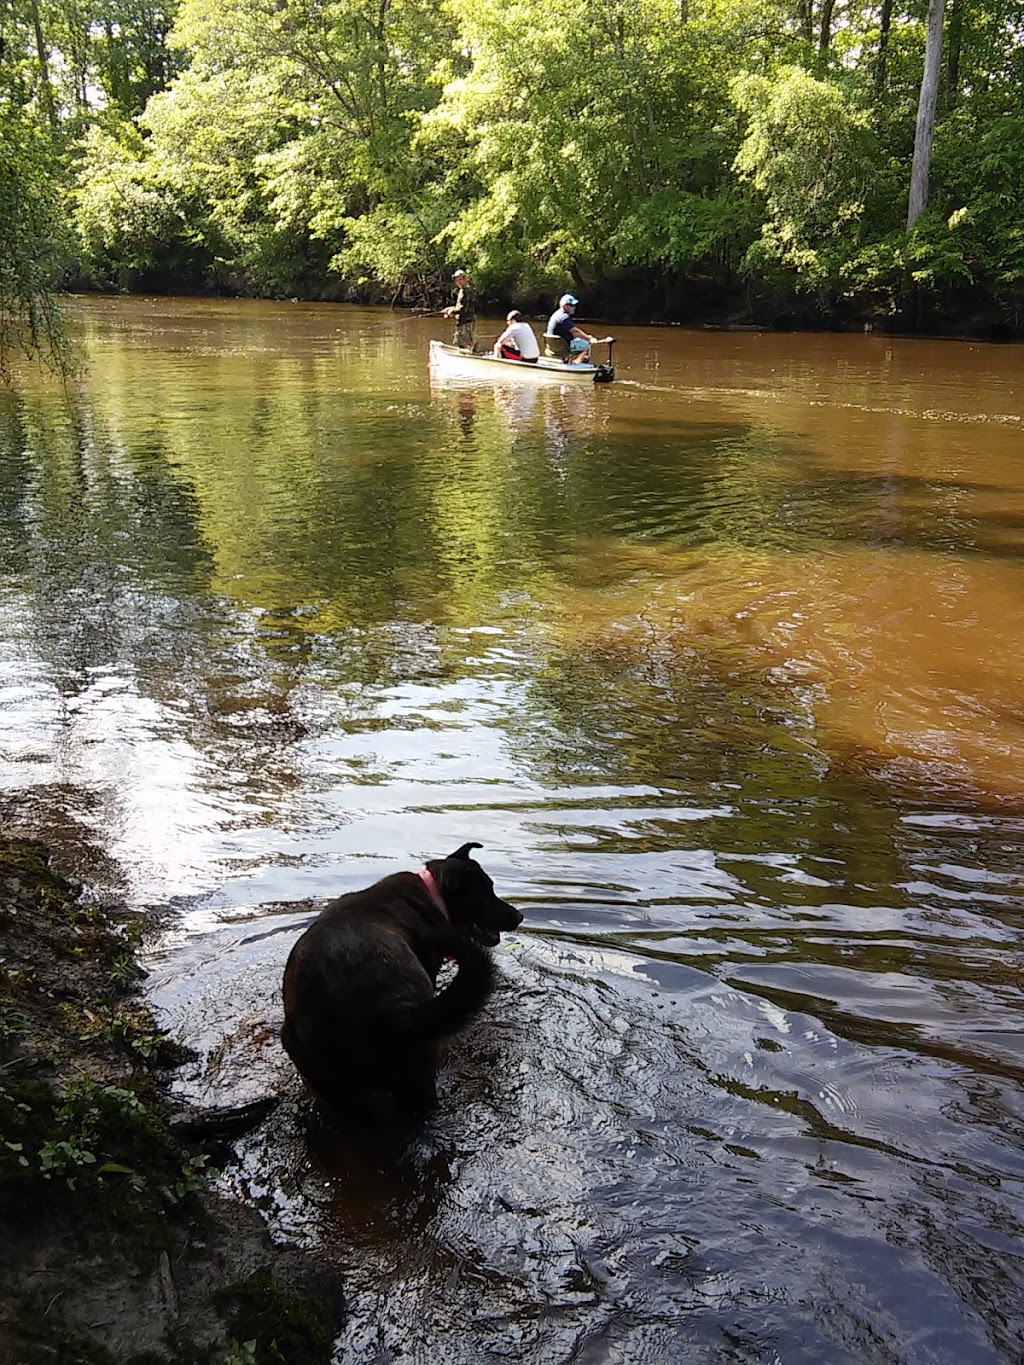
[735, 159]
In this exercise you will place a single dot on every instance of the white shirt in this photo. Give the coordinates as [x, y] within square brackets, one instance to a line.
[520, 334]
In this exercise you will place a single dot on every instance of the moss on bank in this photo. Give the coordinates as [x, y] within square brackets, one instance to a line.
[114, 1250]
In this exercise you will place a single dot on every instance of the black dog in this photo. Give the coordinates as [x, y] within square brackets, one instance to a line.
[361, 1017]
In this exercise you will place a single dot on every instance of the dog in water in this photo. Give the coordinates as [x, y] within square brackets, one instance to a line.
[361, 1015]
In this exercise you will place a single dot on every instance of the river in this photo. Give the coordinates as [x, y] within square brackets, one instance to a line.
[723, 666]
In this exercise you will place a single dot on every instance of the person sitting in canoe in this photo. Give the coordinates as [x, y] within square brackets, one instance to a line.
[517, 341]
[562, 323]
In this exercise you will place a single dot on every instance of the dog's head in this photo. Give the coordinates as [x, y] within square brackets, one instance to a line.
[469, 896]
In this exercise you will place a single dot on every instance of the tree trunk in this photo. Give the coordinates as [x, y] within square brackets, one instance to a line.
[956, 32]
[825, 31]
[883, 47]
[46, 88]
[806, 20]
[925, 131]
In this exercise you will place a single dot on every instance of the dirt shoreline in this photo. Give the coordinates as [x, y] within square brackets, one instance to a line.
[114, 1247]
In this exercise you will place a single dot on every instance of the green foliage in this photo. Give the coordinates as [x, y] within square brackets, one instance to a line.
[138, 225]
[299, 143]
[385, 244]
[675, 230]
[49, 1136]
[809, 151]
[125, 1023]
[67, 66]
[33, 240]
[271, 1326]
[89, 1134]
[983, 181]
[579, 149]
[362, 146]
[131, 57]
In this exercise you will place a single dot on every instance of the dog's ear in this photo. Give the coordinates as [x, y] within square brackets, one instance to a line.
[463, 852]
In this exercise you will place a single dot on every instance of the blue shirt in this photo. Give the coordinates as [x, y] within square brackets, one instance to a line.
[561, 323]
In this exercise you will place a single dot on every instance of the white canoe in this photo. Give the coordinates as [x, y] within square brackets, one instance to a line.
[453, 360]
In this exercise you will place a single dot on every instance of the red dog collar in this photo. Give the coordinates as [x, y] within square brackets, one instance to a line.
[427, 878]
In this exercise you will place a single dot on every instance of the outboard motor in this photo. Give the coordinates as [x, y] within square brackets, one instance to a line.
[604, 374]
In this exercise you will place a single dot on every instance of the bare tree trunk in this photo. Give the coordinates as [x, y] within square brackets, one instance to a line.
[925, 131]
[883, 47]
[825, 31]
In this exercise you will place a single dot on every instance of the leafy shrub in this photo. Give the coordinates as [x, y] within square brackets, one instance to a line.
[138, 225]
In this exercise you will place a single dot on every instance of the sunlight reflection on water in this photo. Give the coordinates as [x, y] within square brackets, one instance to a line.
[723, 671]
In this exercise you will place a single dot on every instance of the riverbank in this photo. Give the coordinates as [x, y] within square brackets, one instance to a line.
[751, 305]
[115, 1248]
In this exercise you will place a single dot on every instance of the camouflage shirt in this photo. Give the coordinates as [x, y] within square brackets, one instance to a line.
[465, 305]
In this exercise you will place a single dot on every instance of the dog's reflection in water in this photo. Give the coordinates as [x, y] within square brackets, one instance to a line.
[385, 1179]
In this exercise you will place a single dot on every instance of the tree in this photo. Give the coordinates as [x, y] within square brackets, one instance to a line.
[669, 152]
[131, 56]
[294, 125]
[33, 237]
[925, 131]
[577, 153]
[810, 152]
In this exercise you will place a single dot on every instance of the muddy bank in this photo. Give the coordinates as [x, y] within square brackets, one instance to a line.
[114, 1249]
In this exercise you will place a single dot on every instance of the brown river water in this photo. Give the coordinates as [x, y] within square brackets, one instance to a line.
[722, 664]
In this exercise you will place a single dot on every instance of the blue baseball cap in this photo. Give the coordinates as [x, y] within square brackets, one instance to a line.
[568, 301]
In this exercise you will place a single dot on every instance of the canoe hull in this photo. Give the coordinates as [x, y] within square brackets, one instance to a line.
[451, 360]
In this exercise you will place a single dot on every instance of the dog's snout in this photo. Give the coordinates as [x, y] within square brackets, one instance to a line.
[515, 916]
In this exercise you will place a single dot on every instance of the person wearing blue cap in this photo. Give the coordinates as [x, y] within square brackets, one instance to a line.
[562, 323]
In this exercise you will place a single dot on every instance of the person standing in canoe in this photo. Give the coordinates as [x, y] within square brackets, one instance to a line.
[463, 310]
